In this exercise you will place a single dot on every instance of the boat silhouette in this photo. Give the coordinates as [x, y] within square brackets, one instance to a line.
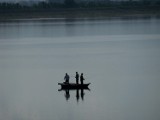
[74, 85]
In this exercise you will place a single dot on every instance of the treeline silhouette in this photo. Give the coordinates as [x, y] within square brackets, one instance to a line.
[71, 4]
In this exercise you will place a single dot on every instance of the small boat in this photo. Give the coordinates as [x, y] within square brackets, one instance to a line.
[74, 85]
[73, 89]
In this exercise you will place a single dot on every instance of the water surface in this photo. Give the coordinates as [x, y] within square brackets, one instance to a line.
[120, 57]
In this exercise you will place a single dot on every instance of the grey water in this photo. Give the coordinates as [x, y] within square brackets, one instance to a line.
[119, 57]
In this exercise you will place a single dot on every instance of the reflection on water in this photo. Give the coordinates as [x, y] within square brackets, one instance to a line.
[79, 93]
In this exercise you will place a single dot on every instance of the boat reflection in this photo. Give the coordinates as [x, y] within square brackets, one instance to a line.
[79, 93]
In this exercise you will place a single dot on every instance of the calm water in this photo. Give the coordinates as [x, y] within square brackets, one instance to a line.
[120, 57]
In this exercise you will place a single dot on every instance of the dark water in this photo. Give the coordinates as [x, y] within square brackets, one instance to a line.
[120, 57]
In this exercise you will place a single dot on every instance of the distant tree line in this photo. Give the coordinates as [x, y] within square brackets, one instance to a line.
[67, 4]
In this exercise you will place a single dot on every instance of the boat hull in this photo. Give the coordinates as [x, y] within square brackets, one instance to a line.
[74, 86]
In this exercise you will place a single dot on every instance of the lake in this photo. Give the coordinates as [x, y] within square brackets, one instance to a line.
[120, 57]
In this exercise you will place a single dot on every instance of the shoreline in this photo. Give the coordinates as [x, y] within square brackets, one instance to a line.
[81, 14]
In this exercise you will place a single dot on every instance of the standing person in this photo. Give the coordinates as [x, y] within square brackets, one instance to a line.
[77, 78]
[81, 78]
[66, 77]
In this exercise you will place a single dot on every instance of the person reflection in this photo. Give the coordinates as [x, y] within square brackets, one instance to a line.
[82, 94]
[77, 94]
[67, 95]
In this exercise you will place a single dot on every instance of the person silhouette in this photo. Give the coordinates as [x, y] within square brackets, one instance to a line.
[81, 78]
[66, 78]
[77, 78]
